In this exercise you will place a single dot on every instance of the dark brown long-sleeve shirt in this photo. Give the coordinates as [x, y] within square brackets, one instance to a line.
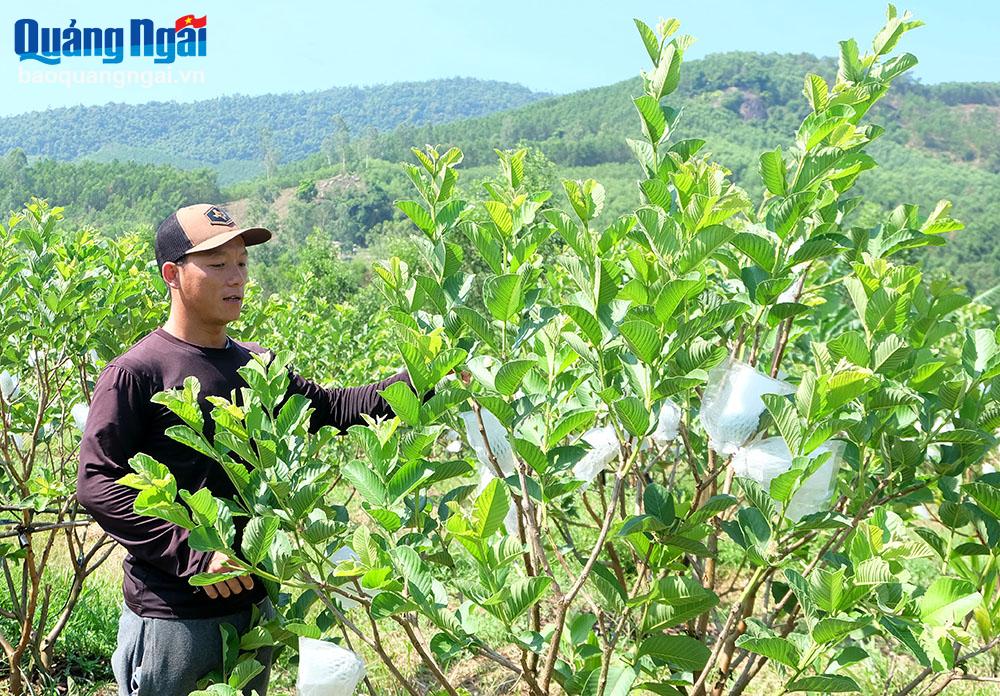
[123, 421]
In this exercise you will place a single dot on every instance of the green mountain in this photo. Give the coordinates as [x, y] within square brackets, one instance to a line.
[233, 132]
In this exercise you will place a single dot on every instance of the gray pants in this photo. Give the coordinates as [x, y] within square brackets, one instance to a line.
[166, 657]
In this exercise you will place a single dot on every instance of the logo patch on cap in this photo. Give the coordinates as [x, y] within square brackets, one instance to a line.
[218, 216]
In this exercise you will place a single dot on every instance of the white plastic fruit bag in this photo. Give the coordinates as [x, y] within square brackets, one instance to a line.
[765, 460]
[667, 423]
[501, 448]
[497, 436]
[326, 669]
[814, 493]
[453, 442]
[731, 406]
[603, 448]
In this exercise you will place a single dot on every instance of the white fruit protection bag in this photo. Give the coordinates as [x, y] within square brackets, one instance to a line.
[603, 448]
[668, 423]
[326, 669]
[765, 460]
[731, 406]
[502, 451]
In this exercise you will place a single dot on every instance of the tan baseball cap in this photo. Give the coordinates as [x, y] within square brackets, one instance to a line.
[200, 227]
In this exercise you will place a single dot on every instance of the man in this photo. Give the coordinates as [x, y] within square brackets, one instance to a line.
[169, 633]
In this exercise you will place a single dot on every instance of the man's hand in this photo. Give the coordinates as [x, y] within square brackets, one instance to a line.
[233, 586]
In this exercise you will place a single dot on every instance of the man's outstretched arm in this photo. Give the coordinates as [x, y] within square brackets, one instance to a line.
[341, 407]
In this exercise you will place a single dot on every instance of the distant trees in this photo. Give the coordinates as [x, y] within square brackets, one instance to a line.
[117, 196]
[215, 131]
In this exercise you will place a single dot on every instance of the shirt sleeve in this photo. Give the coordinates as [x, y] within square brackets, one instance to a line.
[111, 437]
[341, 407]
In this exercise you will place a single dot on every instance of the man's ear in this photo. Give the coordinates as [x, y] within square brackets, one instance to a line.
[171, 274]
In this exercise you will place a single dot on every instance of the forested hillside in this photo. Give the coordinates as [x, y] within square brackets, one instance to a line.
[231, 131]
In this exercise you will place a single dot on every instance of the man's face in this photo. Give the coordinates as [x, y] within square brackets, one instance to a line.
[212, 283]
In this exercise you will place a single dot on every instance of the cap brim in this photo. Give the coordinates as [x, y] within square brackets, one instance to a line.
[251, 236]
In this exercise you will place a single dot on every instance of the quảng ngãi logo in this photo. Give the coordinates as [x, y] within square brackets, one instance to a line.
[187, 37]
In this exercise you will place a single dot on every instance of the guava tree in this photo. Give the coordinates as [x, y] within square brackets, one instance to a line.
[69, 302]
[710, 436]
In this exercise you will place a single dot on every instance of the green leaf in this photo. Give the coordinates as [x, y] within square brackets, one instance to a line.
[417, 214]
[504, 296]
[183, 403]
[510, 375]
[825, 684]
[365, 481]
[787, 418]
[667, 73]
[758, 248]
[244, 672]
[812, 249]
[643, 338]
[586, 197]
[403, 401]
[986, 496]
[640, 523]
[204, 579]
[817, 92]
[773, 648]
[979, 349]
[203, 505]
[500, 215]
[758, 497]
[479, 325]
[832, 630]
[525, 593]
[800, 588]
[773, 172]
[872, 571]
[889, 354]
[783, 485]
[154, 502]
[649, 39]
[574, 420]
[633, 414]
[587, 322]
[490, 509]
[672, 294]
[364, 546]
[654, 122]
[681, 652]
[682, 598]
[851, 345]
[258, 537]
[657, 193]
[947, 601]
[293, 416]
[619, 683]
[658, 502]
[713, 506]
[406, 479]
[196, 441]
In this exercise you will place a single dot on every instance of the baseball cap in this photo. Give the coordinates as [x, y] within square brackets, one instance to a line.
[200, 227]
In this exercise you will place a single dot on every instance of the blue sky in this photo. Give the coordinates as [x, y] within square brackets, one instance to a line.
[554, 46]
